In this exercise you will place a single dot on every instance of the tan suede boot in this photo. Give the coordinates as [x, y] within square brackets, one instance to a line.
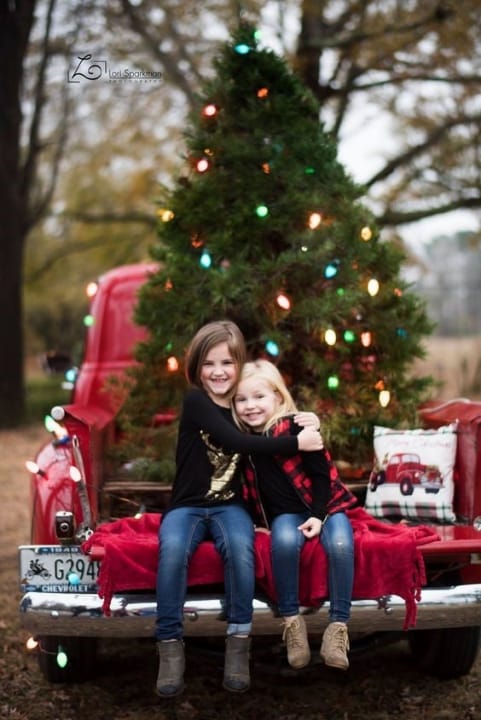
[335, 644]
[295, 638]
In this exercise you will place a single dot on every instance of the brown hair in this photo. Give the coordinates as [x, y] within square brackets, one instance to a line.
[205, 339]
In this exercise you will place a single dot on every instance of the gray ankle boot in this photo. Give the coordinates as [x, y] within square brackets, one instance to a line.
[170, 679]
[236, 667]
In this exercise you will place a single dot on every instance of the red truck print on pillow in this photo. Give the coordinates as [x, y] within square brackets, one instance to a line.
[407, 471]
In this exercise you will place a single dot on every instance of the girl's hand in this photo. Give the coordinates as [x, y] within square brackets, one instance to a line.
[307, 419]
[309, 440]
[311, 528]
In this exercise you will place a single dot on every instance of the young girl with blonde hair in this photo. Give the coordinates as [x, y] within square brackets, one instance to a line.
[298, 498]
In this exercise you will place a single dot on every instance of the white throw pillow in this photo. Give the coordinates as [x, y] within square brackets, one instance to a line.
[412, 476]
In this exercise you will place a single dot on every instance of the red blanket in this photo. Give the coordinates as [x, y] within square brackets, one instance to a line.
[387, 561]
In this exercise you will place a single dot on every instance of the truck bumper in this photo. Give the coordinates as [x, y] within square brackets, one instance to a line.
[133, 615]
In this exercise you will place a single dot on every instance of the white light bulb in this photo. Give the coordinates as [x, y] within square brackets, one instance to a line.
[58, 413]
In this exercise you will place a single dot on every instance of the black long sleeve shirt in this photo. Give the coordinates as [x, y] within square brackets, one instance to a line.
[209, 448]
[277, 492]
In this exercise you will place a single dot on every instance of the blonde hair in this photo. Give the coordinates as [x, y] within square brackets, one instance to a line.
[268, 372]
[207, 337]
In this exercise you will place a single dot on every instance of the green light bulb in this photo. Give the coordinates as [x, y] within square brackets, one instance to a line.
[62, 658]
[262, 211]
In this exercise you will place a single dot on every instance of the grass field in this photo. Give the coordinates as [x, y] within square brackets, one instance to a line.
[456, 364]
[42, 393]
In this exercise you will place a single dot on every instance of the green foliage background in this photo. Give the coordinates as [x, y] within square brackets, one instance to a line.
[264, 146]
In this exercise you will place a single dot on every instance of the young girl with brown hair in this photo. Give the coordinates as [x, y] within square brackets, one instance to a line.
[207, 503]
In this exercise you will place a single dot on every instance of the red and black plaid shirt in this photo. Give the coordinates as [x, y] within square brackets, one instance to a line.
[341, 498]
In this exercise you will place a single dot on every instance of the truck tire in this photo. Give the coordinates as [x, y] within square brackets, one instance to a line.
[447, 653]
[81, 655]
[406, 486]
[376, 479]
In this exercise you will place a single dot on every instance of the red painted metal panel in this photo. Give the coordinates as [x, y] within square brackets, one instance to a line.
[467, 496]
[111, 340]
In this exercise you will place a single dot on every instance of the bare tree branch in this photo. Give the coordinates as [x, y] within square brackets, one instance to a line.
[390, 81]
[112, 217]
[34, 145]
[394, 217]
[62, 252]
[320, 42]
[411, 153]
[170, 64]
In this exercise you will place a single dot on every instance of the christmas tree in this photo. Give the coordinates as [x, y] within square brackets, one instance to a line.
[266, 228]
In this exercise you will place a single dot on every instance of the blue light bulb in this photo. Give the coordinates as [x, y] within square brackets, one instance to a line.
[272, 348]
[330, 271]
[242, 49]
[205, 260]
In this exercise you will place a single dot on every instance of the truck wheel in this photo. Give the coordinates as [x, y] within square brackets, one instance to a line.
[81, 654]
[376, 479]
[406, 486]
[447, 653]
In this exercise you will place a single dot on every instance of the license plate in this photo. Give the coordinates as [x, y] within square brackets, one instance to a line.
[57, 568]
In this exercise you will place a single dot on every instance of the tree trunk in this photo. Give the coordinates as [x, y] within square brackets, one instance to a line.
[16, 19]
[308, 55]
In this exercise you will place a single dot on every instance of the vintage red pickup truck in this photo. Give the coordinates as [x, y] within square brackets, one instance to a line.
[407, 471]
[73, 492]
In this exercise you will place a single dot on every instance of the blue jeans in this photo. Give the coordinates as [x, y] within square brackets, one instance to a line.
[181, 532]
[287, 542]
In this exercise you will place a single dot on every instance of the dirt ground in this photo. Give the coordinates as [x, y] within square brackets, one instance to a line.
[380, 685]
